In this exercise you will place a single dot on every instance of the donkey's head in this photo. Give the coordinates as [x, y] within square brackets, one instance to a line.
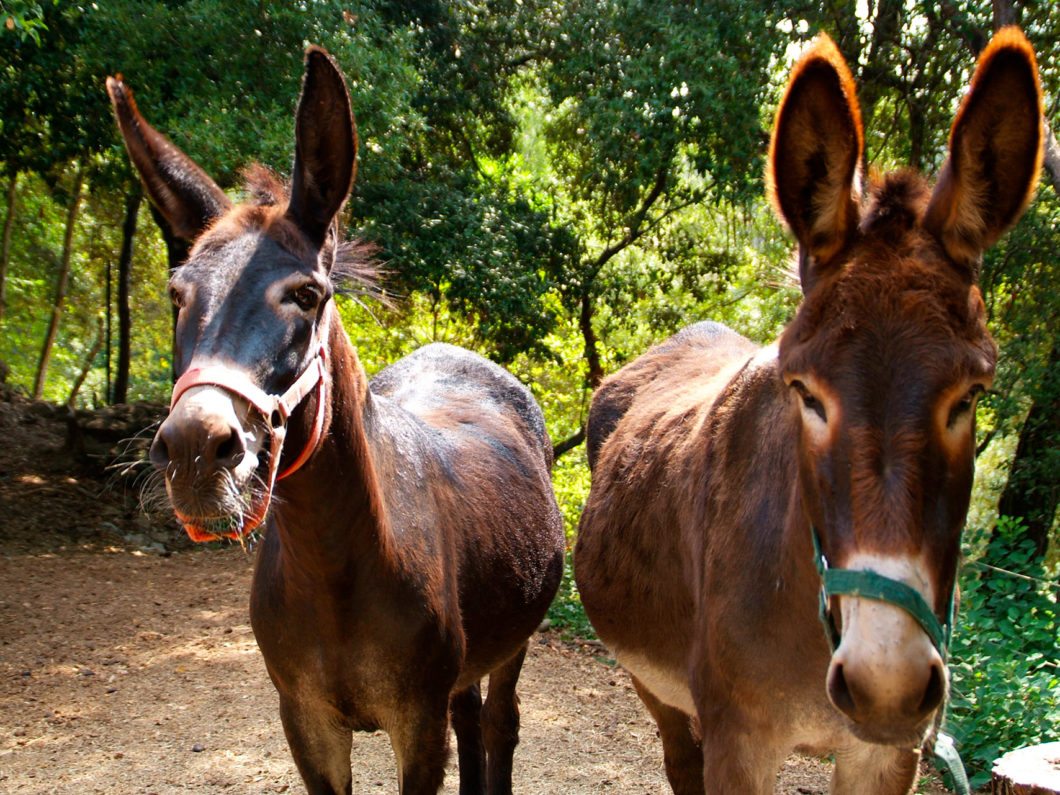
[887, 356]
[251, 326]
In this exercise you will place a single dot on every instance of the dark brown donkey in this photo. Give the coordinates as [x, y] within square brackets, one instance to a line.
[414, 541]
[715, 464]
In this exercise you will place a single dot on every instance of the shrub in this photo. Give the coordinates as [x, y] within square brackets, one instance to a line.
[1003, 659]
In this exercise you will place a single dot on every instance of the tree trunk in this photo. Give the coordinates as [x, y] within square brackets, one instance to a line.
[1004, 14]
[1034, 770]
[5, 245]
[87, 368]
[177, 249]
[61, 287]
[128, 231]
[592, 351]
[1032, 491]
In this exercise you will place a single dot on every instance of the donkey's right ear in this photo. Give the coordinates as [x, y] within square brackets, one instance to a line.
[813, 172]
[184, 194]
[325, 150]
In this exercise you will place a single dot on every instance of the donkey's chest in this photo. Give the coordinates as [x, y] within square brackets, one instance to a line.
[361, 655]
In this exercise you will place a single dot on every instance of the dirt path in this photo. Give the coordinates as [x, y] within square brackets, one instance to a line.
[131, 673]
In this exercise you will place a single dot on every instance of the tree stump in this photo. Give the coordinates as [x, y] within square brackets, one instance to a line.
[1034, 770]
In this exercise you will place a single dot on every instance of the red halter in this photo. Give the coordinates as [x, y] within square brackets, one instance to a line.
[275, 409]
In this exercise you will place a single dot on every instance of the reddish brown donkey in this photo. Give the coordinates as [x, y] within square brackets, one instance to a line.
[414, 541]
[715, 464]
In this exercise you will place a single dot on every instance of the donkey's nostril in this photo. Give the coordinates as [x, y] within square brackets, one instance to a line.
[230, 449]
[159, 453]
[935, 690]
[839, 690]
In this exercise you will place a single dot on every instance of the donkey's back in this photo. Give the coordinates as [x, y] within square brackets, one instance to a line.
[685, 360]
[440, 382]
[657, 429]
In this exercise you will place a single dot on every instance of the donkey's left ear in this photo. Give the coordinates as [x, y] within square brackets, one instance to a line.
[325, 159]
[995, 153]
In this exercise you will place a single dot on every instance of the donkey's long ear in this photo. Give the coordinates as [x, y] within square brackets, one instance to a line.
[325, 158]
[995, 153]
[814, 164]
[187, 198]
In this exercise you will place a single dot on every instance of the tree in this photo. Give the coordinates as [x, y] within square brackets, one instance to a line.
[5, 241]
[128, 232]
[62, 284]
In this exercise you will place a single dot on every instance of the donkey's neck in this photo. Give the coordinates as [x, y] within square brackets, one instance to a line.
[330, 513]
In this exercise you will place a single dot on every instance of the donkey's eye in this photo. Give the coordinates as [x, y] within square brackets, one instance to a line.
[964, 406]
[177, 297]
[306, 297]
[809, 402]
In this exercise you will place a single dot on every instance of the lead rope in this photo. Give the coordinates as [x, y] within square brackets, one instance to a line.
[870, 585]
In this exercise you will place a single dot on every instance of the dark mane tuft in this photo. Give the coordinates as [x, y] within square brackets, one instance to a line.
[355, 271]
[264, 188]
[895, 203]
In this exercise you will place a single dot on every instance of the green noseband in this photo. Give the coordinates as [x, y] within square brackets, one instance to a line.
[870, 585]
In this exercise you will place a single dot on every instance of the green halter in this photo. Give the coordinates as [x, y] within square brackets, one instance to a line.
[870, 585]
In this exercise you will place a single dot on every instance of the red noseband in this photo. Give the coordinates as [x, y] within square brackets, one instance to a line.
[275, 409]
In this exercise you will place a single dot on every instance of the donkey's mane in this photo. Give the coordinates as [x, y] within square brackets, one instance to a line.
[896, 201]
[264, 187]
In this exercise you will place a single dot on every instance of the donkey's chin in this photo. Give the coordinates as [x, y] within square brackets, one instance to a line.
[897, 735]
[232, 514]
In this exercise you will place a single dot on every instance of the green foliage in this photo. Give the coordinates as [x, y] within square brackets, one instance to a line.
[640, 87]
[490, 258]
[570, 477]
[1003, 659]
[31, 288]
[23, 18]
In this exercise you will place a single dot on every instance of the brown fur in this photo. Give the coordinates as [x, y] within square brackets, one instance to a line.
[712, 459]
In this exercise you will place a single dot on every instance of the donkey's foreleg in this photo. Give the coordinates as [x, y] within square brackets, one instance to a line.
[866, 769]
[466, 711]
[419, 736]
[682, 752]
[320, 747]
[500, 724]
[738, 756]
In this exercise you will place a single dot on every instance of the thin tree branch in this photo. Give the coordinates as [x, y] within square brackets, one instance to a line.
[568, 444]
[636, 226]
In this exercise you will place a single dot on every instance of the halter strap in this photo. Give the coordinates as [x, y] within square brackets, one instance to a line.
[276, 409]
[870, 585]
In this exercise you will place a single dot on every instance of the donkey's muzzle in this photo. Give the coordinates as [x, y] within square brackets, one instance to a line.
[197, 450]
[202, 449]
[886, 676]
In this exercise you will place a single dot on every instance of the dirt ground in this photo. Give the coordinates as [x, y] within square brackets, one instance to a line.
[127, 662]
